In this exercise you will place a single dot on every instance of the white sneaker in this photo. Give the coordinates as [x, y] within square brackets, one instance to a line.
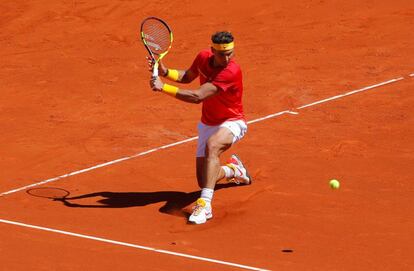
[201, 212]
[241, 175]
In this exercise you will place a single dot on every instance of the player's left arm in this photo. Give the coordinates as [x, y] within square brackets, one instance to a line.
[205, 91]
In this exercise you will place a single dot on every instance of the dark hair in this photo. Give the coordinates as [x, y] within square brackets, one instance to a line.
[222, 37]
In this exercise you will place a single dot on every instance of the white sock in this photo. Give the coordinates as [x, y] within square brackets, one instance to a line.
[207, 195]
[228, 172]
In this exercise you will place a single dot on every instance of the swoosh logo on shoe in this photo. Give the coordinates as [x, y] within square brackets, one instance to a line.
[241, 173]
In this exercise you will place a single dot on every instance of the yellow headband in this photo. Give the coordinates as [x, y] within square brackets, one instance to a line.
[223, 46]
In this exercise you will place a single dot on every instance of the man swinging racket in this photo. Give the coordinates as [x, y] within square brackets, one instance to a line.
[222, 121]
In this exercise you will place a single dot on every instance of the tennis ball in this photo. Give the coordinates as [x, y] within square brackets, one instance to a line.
[334, 184]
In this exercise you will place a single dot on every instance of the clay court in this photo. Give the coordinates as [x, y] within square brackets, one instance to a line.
[328, 93]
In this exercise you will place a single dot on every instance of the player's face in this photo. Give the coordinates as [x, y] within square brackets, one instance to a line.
[222, 58]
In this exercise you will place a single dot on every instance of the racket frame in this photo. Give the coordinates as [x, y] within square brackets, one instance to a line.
[152, 54]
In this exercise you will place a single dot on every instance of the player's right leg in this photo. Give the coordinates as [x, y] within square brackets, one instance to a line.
[213, 141]
[200, 169]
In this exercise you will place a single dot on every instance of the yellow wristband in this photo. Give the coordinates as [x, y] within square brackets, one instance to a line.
[172, 75]
[170, 90]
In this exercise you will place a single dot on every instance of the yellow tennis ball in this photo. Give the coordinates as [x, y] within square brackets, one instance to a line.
[334, 184]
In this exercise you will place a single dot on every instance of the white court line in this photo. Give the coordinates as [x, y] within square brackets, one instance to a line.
[412, 75]
[132, 245]
[98, 166]
[267, 117]
[352, 92]
[293, 112]
[194, 138]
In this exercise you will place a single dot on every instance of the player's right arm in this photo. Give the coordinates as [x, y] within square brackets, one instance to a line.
[180, 76]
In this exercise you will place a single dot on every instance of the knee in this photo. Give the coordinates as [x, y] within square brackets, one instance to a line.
[213, 148]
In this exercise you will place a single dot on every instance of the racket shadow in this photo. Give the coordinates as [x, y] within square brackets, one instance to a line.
[175, 201]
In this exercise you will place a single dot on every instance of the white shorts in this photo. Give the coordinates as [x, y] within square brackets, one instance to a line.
[237, 127]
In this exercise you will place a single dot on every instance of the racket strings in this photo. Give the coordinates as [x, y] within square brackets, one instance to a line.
[157, 36]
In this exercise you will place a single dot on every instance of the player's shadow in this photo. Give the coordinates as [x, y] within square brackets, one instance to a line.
[175, 201]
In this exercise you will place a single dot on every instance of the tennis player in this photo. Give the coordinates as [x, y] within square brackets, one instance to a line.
[222, 121]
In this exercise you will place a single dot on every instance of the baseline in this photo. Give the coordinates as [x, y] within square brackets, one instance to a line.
[131, 245]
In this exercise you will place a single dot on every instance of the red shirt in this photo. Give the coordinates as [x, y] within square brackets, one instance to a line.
[227, 103]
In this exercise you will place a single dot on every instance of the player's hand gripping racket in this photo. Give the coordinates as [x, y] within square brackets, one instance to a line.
[157, 38]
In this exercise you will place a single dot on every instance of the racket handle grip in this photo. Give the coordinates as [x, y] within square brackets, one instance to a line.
[155, 70]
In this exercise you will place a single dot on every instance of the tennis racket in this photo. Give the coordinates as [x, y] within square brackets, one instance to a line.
[157, 38]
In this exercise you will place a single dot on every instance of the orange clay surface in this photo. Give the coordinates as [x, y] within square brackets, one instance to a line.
[74, 94]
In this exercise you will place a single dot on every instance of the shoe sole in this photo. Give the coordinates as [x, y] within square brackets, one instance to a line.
[195, 223]
[247, 172]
